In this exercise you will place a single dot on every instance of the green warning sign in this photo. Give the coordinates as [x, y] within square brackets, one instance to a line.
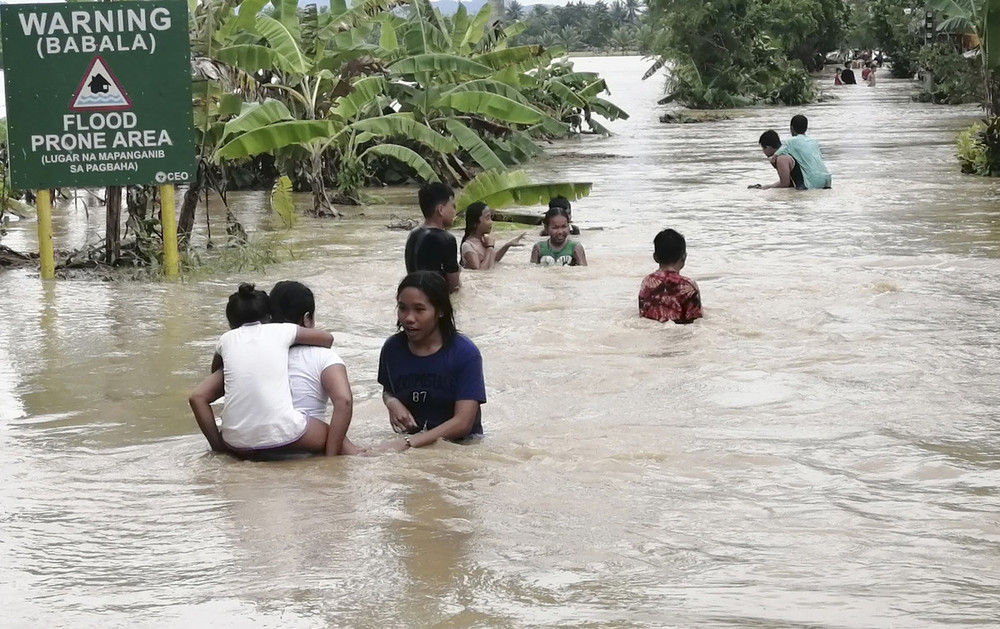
[98, 94]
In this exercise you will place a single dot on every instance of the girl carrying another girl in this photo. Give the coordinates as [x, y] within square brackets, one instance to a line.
[478, 247]
[558, 250]
[258, 416]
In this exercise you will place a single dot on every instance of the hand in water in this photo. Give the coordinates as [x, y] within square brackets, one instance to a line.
[754, 186]
[401, 418]
[393, 445]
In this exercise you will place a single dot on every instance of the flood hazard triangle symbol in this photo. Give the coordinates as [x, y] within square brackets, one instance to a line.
[99, 90]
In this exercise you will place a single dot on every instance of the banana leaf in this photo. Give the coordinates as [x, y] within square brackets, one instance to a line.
[275, 136]
[491, 105]
[500, 189]
[364, 93]
[242, 21]
[494, 87]
[282, 202]
[474, 145]
[257, 115]
[436, 63]
[407, 156]
[250, 57]
[476, 29]
[284, 43]
[608, 109]
[566, 95]
[499, 59]
[404, 126]
[594, 89]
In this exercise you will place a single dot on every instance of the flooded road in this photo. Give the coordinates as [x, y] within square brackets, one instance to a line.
[821, 450]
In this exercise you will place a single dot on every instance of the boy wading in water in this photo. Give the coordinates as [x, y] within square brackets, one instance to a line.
[430, 247]
[666, 295]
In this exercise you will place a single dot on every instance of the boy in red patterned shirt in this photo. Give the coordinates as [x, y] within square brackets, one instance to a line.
[666, 295]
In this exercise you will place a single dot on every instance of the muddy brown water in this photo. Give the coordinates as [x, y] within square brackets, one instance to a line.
[822, 450]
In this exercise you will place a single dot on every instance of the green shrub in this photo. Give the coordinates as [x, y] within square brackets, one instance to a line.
[957, 80]
[978, 148]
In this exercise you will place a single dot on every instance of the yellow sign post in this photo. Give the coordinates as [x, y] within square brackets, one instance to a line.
[45, 253]
[168, 218]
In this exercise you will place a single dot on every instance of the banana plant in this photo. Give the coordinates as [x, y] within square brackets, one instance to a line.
[297, 56]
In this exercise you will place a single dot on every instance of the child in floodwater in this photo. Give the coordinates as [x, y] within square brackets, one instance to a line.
[479, 250]
[666, 295]
[558, 250]
[258, 414]
[564, 203]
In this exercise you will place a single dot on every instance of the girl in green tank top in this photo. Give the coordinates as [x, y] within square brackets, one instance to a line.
[558, 250]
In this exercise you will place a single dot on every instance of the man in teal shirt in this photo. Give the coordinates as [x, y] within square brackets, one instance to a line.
[798, 160]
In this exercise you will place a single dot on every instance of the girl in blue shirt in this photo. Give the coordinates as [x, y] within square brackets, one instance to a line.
[431, 376]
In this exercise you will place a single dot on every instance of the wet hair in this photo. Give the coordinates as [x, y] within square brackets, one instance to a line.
[669, 247]
[434, 286]
[847, 65]
[473, 214]
[770, 139]
[433, 194]
[562, 202]
[291, 301]
[247, 305]
[553, 212]
[799, 124]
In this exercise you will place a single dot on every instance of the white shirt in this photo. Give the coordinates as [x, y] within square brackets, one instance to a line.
[305, 370]
[258, 412]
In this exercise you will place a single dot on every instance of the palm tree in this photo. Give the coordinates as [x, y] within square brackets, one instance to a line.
[633, 8]
[569, 38]
[514, 11]
[619, 14]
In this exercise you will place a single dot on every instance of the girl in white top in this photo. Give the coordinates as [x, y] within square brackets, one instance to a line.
[258, 413]
[478, 247]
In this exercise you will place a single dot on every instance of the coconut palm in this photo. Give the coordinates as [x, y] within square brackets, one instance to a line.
[514, 12]
[633, 8]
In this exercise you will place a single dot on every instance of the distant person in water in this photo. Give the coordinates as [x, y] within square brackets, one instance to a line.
[847, 76]
[558, 250]
[563, 203]
[430, 247]
[871, 76]
[479, 250]
[867, 70]
[836, 77]
[666, 295]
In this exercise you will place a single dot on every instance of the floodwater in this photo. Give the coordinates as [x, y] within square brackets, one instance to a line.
[821, 450]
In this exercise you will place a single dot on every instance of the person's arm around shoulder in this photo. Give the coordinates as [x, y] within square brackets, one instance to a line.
[210, 390]
[338, 387]
[536, 254]
[313, 336]
[579, 255]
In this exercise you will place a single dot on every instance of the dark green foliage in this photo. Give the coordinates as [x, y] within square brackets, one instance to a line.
[957, 79]
[978, 148]
[720, 55]
[601, 26]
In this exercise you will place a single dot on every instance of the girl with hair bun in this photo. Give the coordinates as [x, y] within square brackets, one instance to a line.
[258, 415]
